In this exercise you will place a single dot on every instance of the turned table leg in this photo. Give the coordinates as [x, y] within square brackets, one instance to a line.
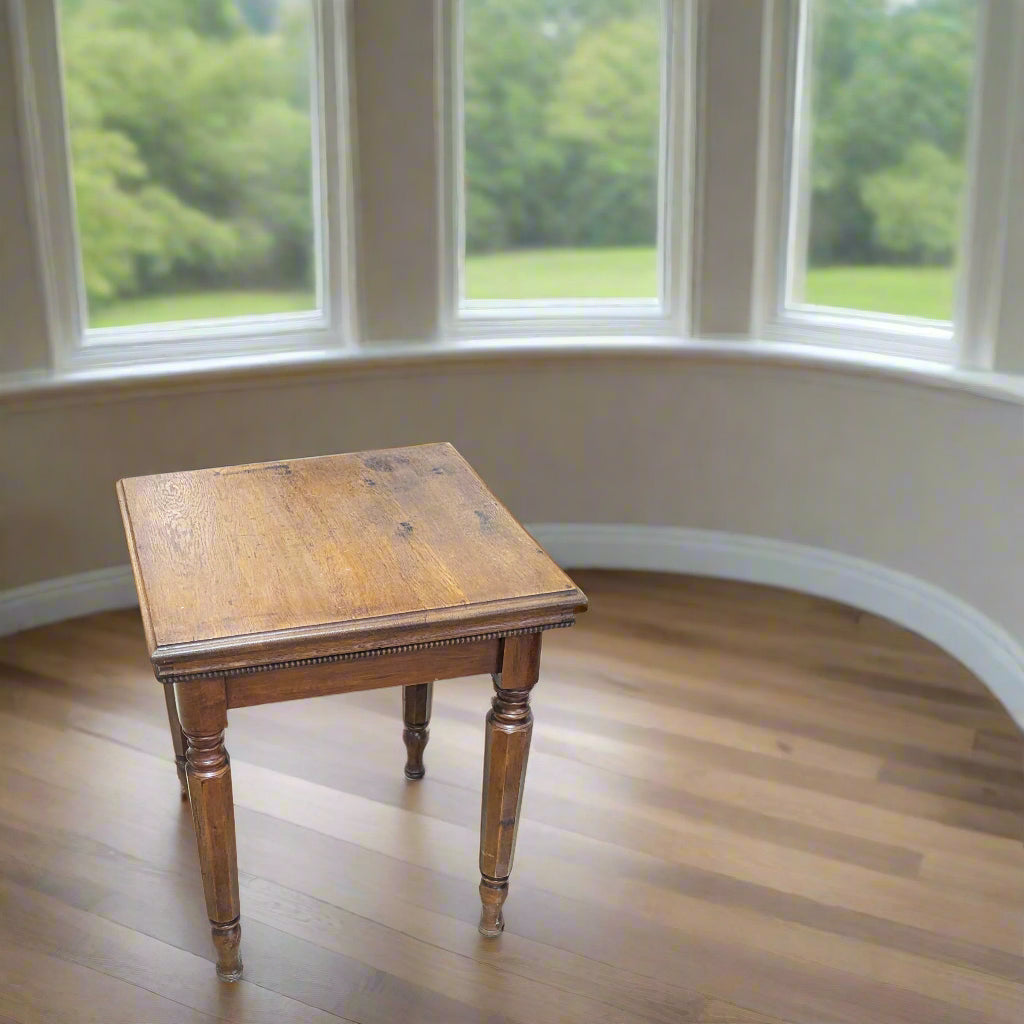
[416, 702]
[203, 709]
[177, 738]
[509, 727]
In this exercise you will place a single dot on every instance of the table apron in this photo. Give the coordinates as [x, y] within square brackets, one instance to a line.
[402, 669]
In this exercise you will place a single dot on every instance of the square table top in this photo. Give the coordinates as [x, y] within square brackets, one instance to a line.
[275, 562]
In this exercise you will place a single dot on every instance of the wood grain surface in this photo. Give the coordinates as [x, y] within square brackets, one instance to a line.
[297, 559]
[743, 805]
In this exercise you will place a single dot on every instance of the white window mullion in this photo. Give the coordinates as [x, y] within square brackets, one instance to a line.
[451, 180]
[730, 200]
[1009, 337]
[36, 32]
[677, 165]
[988, 326]
[798, 194]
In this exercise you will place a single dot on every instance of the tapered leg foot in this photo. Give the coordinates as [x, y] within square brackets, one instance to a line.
[416, 702]
[492, 897]
[414, 770]
[226, 939]
[506, 750]
[182, 777]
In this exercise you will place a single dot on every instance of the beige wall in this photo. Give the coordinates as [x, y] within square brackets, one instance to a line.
[915, 479]
[921, 480]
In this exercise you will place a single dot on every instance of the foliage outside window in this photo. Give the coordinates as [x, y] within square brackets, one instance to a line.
[201, 190]
[890, 86]
[191, 152]
[562, 103]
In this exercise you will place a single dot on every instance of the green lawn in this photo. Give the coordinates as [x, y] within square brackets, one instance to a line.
[572, 273]
[198, 305]
[562, 273]
[911, 291]
[632, 273]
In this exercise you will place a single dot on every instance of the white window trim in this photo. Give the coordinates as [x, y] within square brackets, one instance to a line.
[667, 315]
[990, 309]
[989, 334]
[36, 32]
[772, 318]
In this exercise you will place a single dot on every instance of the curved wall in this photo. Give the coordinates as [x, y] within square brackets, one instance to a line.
[919, 480]
[909, 478]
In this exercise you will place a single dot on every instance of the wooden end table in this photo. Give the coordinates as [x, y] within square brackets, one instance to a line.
[282, 580]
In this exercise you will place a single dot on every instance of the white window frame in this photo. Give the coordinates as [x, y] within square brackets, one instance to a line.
[36, 30]
[666, 315]
[783, 110]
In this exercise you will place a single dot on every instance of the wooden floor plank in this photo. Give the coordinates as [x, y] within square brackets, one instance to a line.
[36, 921]
[744, 805]
[137, 899]
[124, 886]
[43, 989]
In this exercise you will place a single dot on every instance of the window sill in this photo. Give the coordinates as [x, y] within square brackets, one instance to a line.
[196, 374]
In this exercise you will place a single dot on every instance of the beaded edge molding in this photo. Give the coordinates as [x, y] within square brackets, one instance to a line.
[377, 652]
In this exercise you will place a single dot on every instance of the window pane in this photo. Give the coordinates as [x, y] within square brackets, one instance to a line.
[562, 121]
[191, 154]
[877, 211]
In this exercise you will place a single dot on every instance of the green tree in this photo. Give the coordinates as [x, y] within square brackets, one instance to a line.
[606, 113]
[886, 78]
[191, 135]
[915, 205]
[190, 138]
[130, 229]
[524, 182]
[213, 18]
[511, 66]
[260, 14]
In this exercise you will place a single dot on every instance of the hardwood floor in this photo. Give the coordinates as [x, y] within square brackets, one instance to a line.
[743, 805]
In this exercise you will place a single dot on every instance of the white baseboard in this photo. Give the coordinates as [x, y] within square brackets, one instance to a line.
[64, 597]
[986, 648]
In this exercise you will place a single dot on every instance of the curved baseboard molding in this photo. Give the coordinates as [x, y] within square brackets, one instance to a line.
[985, 647]
[64, 597]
